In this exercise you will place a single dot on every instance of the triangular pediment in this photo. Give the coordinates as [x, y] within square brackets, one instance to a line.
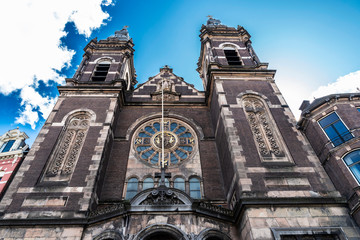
[175, 89]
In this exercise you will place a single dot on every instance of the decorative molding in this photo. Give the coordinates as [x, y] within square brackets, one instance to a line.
[216, 209]
[62, 162]
[162, 196]
[107, 209]
[266, 135]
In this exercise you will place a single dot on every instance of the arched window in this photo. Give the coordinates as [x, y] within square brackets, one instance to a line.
[161, 236]
[232, 56]
[195, 188]
[67, 151]
[267, 137]
[148, 183]
[352, 160]
[132, 188]
[179, 183]
[101, 71]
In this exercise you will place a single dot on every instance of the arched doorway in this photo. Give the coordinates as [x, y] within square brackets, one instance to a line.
[161, 232]
[161, 236]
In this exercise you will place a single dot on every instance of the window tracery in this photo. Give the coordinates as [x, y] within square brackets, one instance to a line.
[65, 157]
[266, 135]
[179, 142]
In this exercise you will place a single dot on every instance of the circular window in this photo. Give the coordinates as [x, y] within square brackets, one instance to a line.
[177, 139]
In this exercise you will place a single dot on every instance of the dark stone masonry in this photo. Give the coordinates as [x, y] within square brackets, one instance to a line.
[229, 162]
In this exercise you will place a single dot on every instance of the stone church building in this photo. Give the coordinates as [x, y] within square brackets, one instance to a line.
[163, 160]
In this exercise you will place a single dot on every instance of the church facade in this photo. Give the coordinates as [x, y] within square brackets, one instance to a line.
[163, 160]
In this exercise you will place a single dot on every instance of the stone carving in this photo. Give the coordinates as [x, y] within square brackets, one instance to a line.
[167, 97]
[169, 92]
[263, 131]
[107, 209]
[217, 209]
[162, 196]
[65, 157]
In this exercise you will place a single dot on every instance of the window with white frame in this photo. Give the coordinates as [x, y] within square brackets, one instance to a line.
[335, 129]
[7, 146]
[352, 161]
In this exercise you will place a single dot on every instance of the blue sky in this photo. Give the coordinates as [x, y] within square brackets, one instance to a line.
[313, 45]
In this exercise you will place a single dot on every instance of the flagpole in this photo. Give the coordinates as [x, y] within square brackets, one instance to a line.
[162, 126]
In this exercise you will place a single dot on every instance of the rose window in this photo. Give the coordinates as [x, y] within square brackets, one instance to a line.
[178, 140]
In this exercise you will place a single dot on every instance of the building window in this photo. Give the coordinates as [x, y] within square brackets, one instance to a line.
[179, 183]
[148, 183]
[179, 142]
[195, 188]
[7, 146]
[67, 151]
[352, 160]
[335, 129]
[101, 71]
[232, 57]
[167, 183]
[267, 137]
[132, 188]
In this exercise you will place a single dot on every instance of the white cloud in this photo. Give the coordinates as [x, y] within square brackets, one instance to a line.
[34, 102]
[31, 49]
[28, 116]
[344, 84]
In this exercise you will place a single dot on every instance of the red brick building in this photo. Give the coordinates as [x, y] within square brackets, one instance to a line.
[12, 151]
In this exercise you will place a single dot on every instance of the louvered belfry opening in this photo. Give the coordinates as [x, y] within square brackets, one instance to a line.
[232, 57]
[101, 71]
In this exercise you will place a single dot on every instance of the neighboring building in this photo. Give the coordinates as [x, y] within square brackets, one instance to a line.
[12, 151]
[332, 126]
[236, 165]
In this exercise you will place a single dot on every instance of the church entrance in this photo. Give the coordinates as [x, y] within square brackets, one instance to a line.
[161, 236]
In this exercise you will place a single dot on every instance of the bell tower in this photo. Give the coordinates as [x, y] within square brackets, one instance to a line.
[233, 164]
[108, 61]
[224, 47]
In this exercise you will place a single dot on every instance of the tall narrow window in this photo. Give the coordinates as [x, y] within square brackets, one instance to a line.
[352, 160]
[335, 129]
[64, 158]
[167, 183]
[148, 183]
[179, 183]
[232, 57]
[267, 137]
[132, 188]
[195, 188]
[7, 146]
[101, 71]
